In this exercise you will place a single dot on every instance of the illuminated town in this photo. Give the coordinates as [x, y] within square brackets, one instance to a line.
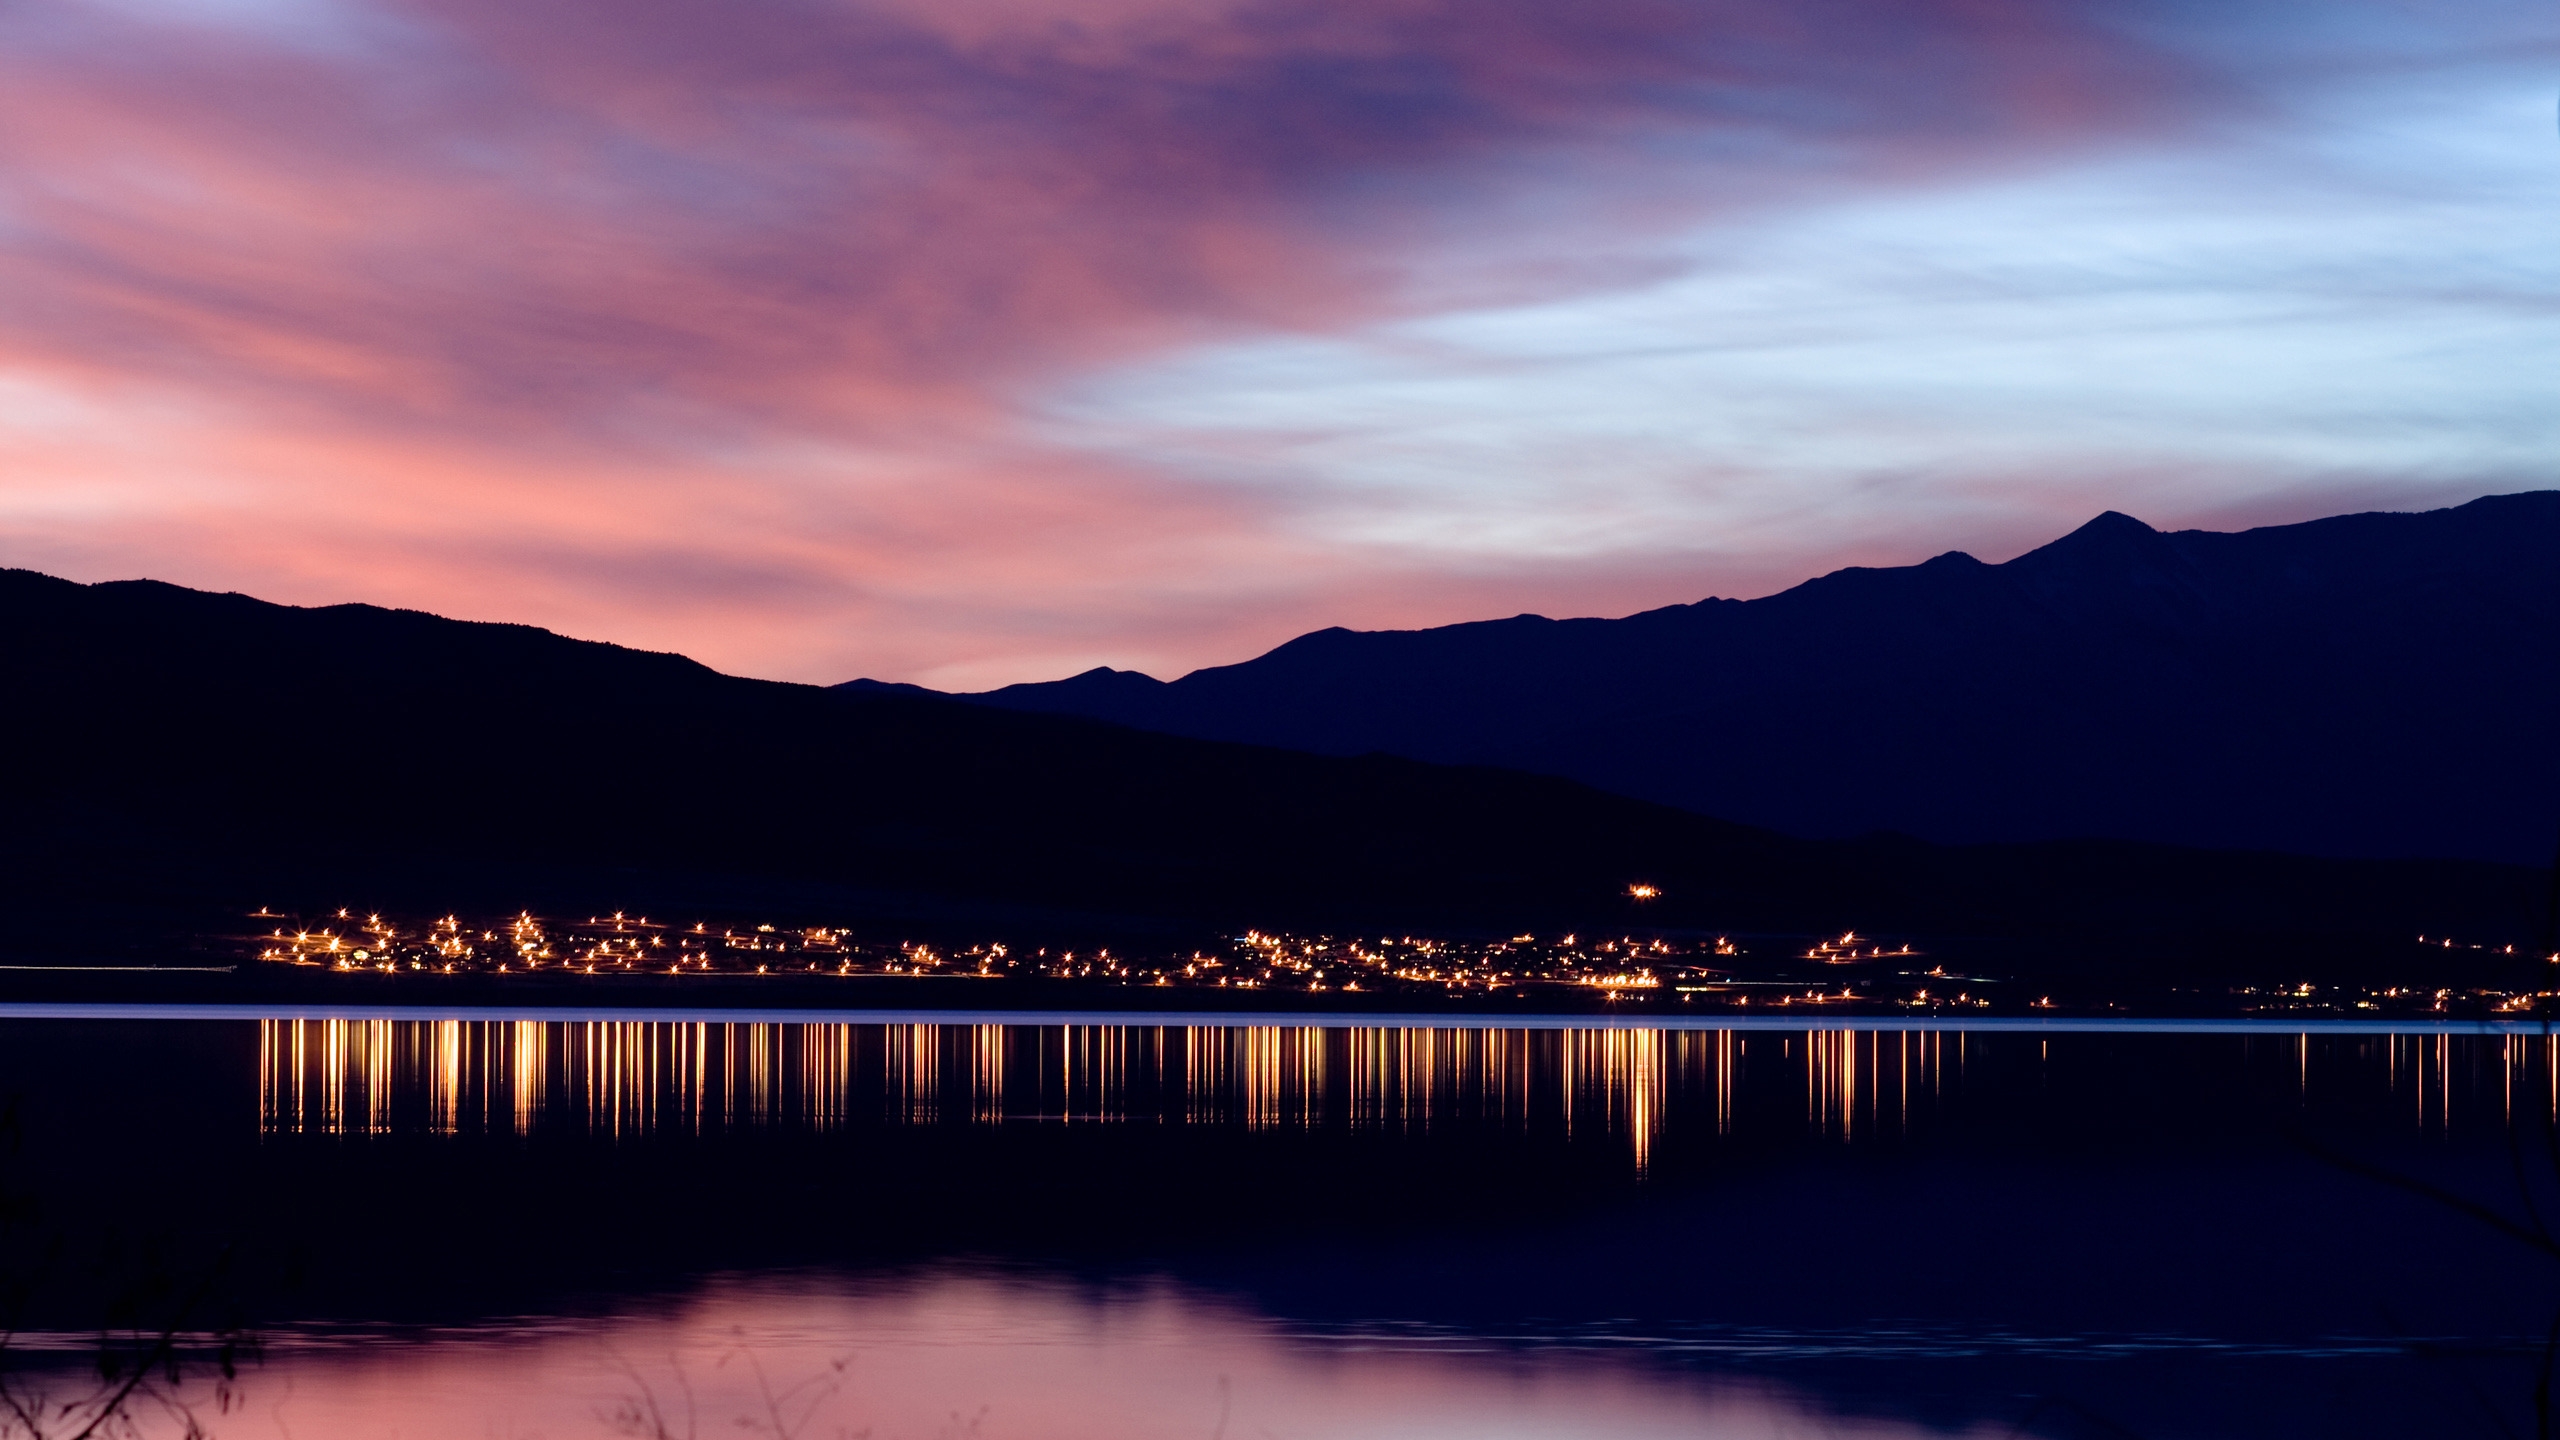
[1848, 971]
[625, 944]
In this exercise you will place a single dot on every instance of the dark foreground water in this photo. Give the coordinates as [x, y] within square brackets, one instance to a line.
[455, 1226]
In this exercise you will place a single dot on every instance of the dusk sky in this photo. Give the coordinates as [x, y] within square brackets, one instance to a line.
[972, 341]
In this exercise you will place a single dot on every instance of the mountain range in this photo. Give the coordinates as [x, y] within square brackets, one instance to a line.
[2373, 685]
[179, 758]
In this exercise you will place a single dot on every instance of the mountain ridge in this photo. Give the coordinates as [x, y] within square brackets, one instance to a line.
[2251, 689]
[187, 756]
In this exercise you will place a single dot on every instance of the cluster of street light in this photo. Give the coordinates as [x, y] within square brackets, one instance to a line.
[632, 944]
[1846, 970]
[618, 943]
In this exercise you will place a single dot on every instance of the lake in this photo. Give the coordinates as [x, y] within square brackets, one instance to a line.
[552, 1224]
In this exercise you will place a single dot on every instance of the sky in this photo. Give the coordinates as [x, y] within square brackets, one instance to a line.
[972, 341]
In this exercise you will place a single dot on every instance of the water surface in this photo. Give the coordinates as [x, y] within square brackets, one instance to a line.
[464, 1226]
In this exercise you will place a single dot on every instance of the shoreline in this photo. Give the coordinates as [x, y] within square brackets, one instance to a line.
[1288, 1019]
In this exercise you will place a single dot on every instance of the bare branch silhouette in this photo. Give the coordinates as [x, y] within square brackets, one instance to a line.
[142, 1368]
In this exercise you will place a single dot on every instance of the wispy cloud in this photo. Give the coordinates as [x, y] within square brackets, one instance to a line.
[955, 340]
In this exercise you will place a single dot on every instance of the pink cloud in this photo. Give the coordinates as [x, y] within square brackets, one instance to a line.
[711, 327]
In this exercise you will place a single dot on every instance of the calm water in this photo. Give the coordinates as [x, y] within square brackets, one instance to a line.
[452, 1226]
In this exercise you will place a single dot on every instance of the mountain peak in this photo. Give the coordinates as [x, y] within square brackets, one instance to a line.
[2111, 527]
[1101, 692]
[2112, 539]
[867, 685]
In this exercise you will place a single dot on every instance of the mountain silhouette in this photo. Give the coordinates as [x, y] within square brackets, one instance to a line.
[179, 755]
[2379, 685]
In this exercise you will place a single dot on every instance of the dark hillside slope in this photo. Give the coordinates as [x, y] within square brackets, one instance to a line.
[212, 748]
[2369, 685]
[354, 737]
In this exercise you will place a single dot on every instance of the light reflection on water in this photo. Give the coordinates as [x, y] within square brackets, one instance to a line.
[617, 1078]
[959, 1355]
[377, 1076]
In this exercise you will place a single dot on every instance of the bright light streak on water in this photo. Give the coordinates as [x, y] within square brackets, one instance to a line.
[336, 1076]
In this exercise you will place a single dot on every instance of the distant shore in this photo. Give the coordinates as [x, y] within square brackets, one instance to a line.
[250, 989]
[1799, 1021]
[250, 983]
